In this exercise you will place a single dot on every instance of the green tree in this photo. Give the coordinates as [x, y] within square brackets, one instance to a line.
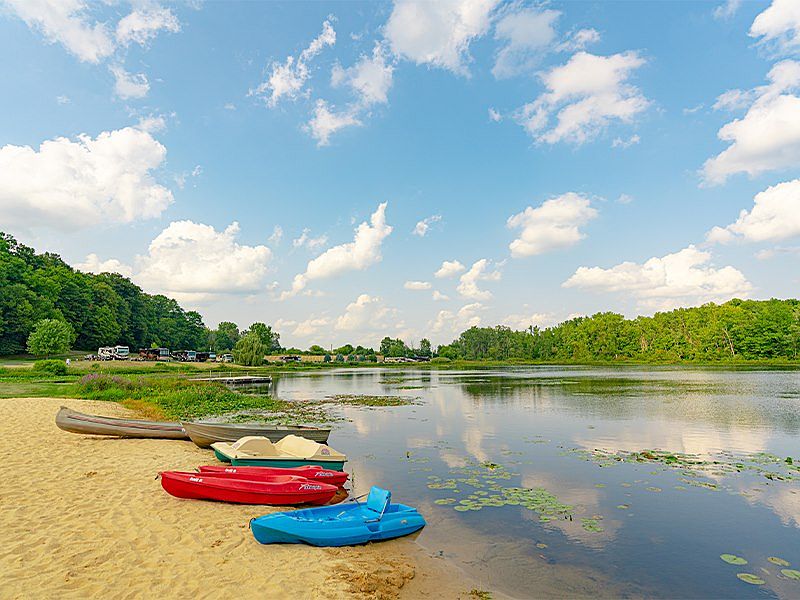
[50, 336]
[269, 338]
[226, 335]
[249, 350]
[316, 349]
[346, 349]
[425, 347]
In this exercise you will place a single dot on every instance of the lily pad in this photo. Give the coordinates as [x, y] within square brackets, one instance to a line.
[778, 561]
[750, 578]
[445, 501]
[461, 508]
[791, 574]
[541, 545]
[732, 559]
[653, 488]
[623, 506]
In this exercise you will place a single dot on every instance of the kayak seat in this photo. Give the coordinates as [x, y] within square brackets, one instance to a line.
[378, 500]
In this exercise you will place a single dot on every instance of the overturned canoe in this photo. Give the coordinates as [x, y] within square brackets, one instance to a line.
[204, 434]
[291, 451]
[78, 422]
[277, 490]
[341, 525]
[310, 472]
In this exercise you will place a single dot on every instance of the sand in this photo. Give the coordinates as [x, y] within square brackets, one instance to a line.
[84, 516]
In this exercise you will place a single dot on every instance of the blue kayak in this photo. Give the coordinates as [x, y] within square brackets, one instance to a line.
[340, 525]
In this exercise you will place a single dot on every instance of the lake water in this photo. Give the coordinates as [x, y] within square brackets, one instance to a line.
[542, 514]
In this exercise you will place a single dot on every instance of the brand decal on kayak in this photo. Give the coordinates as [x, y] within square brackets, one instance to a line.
[326, 452]
[310, 486]
[197, 479]
[324, 474]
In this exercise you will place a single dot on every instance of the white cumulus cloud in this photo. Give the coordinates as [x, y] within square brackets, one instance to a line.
[682, 278]
[775, 216]
[368, 313]
[449, 268]
[468, 283]
[364, 251]
[438, 33]
[94, 264]
[779, 26]
[191, 260]
[70, 184]
[68, 23]
[288, 79]
[555, 224]
[583, 97]
[520, 322]
[448, 322]
[767, 137]
[417, 285]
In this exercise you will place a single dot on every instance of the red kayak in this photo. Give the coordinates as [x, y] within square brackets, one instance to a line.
[311, 472]
[278, 489]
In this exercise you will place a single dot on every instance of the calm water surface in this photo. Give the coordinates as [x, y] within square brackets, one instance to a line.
[658, 531]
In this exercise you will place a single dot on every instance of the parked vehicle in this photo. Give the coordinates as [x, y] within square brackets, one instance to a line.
[113, 353]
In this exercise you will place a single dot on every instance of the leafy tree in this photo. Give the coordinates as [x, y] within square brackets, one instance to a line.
[346, 349]
[270, 339]
[226, 335]
[50, 336]
[316, 349]
[425, 347]
[249, 350]
[394, 347]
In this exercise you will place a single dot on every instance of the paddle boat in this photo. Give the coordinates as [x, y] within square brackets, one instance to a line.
[310, 472]
[291, 451]
[340, 525]
[276, 490]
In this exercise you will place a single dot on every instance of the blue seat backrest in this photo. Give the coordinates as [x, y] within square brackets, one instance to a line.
[378, 499]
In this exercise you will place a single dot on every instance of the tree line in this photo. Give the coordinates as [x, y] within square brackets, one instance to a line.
[42, 298]
[737, 329]
[101, 310]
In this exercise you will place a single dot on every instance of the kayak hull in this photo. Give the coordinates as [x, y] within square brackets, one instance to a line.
[78, 422]
[205, 434]
[277, 491]
[280, 462]
[310, 472]
[337, 525]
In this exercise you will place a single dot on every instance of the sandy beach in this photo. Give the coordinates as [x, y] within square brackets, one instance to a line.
[84, 516]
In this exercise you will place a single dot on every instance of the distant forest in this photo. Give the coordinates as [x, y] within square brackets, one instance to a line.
[108, 309]
[103, 310]
[737, 329]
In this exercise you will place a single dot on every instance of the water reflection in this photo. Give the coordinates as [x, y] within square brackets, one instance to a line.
[654, 534]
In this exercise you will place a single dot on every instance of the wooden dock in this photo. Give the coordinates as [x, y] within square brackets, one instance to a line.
[237, 380]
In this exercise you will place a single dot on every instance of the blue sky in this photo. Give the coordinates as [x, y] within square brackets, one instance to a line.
[563, 158]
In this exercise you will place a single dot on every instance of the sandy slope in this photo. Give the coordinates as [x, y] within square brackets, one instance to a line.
[84, 516]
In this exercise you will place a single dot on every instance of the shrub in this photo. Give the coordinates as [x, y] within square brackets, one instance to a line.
[50, 336]
[54, 367]
[439, 360]
[100, 382]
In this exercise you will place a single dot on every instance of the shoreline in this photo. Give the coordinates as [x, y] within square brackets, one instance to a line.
[86, 516]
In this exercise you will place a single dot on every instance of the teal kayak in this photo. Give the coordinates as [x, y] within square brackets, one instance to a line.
[340, 525]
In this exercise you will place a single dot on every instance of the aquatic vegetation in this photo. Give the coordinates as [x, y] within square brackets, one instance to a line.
[778, 561]
[732, 559]
[693, 466]
[445, 501]
[367, 400]
[623, 506]
[592, 524]
[791, 574]
[653, 488]
[750, 578]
